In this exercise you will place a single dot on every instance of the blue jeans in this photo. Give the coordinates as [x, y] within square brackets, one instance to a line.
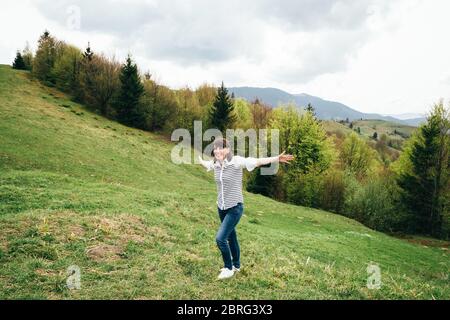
[226, 237]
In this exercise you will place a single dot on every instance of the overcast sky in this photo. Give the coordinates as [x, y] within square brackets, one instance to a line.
[379, 56]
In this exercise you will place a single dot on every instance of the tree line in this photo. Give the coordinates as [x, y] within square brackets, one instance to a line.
[345, 174]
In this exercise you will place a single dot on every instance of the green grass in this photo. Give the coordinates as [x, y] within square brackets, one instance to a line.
[77, 189]
[369, 127]
[394, 131]
[335, 127]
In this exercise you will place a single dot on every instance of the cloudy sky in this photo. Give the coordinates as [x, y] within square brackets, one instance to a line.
[379, 56]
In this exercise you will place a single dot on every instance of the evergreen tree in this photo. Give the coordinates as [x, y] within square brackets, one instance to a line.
[131, 90]
[87, 73]
[88, 54]
[424, 173]
[311, 109]
[221, 114]
[19, 63]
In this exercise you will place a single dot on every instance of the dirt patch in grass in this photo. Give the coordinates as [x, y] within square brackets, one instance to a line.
[75, 231]
[193, 256]
[159, 234]
[46, 273]
[123, 228]
[104, 252]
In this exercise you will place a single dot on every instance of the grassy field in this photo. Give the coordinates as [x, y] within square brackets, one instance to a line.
[77, 189]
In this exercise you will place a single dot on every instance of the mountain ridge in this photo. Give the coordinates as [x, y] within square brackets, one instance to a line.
[325, 109]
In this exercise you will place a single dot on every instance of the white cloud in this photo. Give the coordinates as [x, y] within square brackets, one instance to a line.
[402, 68]
[376, 56]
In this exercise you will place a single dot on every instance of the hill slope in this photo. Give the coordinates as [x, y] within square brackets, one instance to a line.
[77, 189]
[396, 133]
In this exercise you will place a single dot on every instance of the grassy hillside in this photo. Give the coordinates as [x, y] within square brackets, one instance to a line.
[336, 128]
[77, 189]
[391, 129]
[396, 133]
[368, 127]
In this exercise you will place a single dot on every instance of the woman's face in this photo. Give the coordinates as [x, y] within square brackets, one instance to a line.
[221, 153]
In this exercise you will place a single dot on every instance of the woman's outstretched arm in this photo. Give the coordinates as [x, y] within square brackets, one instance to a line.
[282, 158]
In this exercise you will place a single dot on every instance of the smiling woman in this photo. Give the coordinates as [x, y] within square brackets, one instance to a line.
[230, 202]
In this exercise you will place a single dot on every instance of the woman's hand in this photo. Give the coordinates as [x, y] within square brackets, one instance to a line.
[206, 164]
[285, 158]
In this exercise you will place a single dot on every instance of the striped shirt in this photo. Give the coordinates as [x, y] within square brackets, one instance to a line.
[228, 179]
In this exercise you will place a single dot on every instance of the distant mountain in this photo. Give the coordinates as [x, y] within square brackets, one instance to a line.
[325, 110]
[413, 119]
[407, 116]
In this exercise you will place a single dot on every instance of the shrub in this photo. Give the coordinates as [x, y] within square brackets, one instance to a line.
[262, 184]
[375, 204]
[301, 188]
[332, 191]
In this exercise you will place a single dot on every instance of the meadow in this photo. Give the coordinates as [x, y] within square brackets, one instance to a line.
[79, 189]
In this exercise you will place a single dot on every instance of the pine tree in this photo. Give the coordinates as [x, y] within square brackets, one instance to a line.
[221, 114]
[311, 109]
[425, 179]
[19, 63]
[88, 54]
[131, 90]
[87, 73]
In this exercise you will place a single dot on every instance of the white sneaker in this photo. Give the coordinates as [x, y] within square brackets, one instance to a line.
[225, 273]
[236, 269]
